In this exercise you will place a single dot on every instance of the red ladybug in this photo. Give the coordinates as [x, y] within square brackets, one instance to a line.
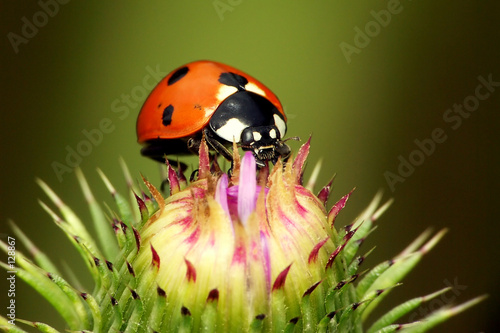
[217, 101]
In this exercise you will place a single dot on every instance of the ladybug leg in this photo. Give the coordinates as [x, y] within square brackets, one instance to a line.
[283, 150]
[194, 175]
[193, 145]
[216, 145]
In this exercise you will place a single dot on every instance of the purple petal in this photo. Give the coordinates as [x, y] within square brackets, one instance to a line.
[221, 193]
[247, 187]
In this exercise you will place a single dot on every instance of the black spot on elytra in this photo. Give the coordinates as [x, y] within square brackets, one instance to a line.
[234, 80]
[178, 74]
[166, 118]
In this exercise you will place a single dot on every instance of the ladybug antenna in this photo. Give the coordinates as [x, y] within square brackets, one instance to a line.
[296, 138]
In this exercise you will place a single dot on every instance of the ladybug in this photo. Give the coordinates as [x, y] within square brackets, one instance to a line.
[211, 100]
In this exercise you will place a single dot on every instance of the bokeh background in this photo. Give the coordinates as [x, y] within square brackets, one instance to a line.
[365, 100]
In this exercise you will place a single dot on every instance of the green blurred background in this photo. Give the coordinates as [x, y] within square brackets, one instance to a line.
[364, 109]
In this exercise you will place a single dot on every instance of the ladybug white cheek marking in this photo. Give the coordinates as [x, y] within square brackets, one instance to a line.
[232, 129]
[254, 88]
[225, 91]
[272, 133]
[280, 124]
[257, 136]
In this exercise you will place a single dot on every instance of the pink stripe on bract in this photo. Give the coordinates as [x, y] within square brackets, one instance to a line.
[240, 254]
[266, 258]
[173, 179]
[335, 210]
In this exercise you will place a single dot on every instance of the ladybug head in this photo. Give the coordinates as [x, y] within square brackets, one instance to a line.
[265, 143]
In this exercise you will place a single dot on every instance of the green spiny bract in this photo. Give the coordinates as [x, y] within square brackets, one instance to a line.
[254, 252]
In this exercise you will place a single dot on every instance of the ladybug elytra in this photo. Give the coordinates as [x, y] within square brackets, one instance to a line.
[215, 101]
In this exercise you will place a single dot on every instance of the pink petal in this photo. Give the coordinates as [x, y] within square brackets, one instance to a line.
[247, 187]
[221, 193]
